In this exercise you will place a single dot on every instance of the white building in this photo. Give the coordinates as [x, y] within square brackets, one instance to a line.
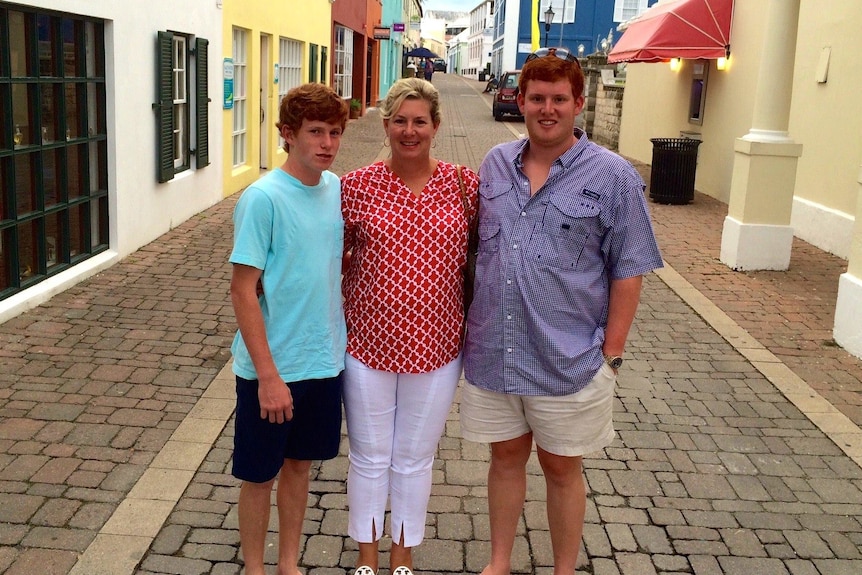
[108, 143]
[480, 39]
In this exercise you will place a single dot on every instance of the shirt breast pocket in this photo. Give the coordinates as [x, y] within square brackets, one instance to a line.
[489, 237]
[569, 222]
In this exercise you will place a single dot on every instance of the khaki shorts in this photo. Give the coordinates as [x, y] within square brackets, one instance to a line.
[568, 425]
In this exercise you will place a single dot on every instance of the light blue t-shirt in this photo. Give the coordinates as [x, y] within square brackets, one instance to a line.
[295, 234]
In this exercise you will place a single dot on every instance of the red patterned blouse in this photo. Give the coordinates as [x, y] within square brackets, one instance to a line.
[403, 287]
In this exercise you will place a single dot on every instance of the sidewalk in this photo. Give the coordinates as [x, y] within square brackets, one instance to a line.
[739, 449]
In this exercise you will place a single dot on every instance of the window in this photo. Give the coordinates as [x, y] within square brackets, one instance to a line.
[312, 63]
[53, 145]
[698, 91]
[289, 70]
[564, 11]
[324, 62]
[343, 75]
[181, 104]
[178, 106]
[627, 9]
[289, 65]
[240, 97]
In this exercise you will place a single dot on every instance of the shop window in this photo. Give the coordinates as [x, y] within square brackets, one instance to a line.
[697, 101]
[53, 144]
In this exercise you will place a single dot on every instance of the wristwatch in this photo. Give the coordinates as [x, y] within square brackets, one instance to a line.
[614, 361]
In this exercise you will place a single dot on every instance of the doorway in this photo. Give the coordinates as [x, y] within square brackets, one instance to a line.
[265, 102]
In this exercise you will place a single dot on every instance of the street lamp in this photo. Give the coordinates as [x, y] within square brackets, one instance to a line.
[549, 17]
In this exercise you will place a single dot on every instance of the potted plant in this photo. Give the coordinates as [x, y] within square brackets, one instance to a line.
[355, 107]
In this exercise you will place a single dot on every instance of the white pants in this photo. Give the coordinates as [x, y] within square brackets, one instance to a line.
[394, 422]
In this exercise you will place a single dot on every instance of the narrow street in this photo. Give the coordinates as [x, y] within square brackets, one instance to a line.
[738, 447]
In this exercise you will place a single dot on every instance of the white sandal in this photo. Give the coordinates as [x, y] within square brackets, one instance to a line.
[364, 570]
[402, 571]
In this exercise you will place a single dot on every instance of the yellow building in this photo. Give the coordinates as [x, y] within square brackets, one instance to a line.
[270, 46]
[780, 135]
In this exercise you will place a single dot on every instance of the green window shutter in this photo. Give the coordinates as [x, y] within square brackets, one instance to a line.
[165, 108]
[312, 63]
[324, 71]
[202, 152]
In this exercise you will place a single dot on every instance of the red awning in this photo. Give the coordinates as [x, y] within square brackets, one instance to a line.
[677, 29]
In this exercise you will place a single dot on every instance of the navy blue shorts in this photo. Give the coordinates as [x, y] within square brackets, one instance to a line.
[260, 447]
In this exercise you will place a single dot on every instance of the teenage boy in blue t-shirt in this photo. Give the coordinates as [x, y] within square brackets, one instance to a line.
[289, 350]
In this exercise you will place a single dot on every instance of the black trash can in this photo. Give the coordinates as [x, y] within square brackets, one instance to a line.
[674, 162]
[482, 77]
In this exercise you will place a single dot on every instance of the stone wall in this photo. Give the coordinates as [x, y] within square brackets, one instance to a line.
[609, 110]
[603, 106]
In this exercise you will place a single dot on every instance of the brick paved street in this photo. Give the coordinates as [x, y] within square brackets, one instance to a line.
[738, 452]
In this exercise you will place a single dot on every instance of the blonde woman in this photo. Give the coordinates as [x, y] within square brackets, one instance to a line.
[406, 226]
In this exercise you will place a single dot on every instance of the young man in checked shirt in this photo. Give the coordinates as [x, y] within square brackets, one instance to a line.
[565, 239]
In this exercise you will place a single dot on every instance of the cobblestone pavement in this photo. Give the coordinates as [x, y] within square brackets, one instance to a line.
[738, 449]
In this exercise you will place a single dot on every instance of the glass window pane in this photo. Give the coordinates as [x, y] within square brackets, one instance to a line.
[54, 234]
[71, 30]
[50, 112]
[99, 222]
[47, 46]
[20, 41]
[22, 114]
[5, 260]
[28, 251]
[98, 154]
[5, 141]
[95, 108]
[73, 113]
[52, 176]
[78, 229]
[91, 45]
[25, 183]
[5, 186]
[76, 171]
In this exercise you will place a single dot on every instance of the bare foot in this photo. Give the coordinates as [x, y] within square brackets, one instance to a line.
[490, 570]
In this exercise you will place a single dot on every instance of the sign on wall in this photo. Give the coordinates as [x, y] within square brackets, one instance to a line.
[228, 83]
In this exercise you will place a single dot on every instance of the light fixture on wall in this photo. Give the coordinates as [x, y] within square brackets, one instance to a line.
[675, 64]
[724, 61]
[581, 50]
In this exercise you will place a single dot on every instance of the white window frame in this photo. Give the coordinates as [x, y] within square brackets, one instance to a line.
[180, 62]
[627, 9]
[240, 97]
[343, 62]
[564, 11]
[289, 70]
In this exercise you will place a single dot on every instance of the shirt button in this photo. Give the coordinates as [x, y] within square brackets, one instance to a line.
[509, 316]
[509, 350]
[508, 282]
[514, 247]
[523, 214]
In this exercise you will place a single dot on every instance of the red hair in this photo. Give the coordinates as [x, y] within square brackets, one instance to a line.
[551, 68]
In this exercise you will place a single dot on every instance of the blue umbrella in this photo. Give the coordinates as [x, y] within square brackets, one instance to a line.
[421, 52]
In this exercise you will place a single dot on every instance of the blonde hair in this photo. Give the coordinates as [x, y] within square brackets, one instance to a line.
[411, 89]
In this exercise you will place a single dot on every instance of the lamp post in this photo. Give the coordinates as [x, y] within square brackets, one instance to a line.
[549, 17]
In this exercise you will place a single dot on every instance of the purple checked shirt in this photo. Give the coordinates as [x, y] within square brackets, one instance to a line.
[536, 324]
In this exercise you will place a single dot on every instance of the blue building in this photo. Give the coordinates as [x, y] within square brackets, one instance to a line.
[591, 24]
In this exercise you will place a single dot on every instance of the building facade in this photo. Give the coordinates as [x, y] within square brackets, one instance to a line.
[782, 103]
[109, 137]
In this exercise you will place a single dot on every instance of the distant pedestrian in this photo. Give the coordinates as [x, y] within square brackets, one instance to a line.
[289, 350]
[429, 69]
